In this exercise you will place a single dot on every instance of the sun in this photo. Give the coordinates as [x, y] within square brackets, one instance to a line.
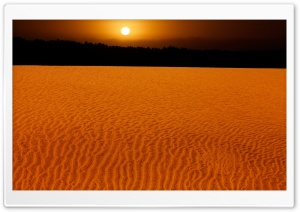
[125, 31]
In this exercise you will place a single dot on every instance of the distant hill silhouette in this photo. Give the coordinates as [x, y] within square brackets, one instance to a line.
[60, 52]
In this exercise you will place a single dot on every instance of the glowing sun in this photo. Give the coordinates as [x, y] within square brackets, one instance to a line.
[125, 31]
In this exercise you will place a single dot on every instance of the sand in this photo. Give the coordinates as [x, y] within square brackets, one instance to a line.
[146, 128]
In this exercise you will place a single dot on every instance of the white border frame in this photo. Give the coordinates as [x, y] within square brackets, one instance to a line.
[146, 198]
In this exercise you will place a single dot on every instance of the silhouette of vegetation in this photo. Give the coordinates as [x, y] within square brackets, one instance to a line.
[61, 52]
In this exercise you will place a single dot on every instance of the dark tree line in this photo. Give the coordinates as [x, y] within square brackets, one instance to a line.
[60, 52]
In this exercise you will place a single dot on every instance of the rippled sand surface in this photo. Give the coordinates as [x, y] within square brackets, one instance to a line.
[148, 128]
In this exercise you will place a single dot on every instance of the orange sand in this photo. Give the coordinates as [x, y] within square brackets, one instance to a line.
[145, 128]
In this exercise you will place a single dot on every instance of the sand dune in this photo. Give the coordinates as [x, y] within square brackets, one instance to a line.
[145, 128]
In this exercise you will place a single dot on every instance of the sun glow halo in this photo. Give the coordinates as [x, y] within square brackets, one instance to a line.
[125, 31]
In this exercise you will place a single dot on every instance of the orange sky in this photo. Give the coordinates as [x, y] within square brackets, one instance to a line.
[195, 34]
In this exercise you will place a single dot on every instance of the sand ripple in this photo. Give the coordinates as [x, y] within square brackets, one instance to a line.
[139, 128]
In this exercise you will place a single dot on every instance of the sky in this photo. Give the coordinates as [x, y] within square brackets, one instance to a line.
[192, 34]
